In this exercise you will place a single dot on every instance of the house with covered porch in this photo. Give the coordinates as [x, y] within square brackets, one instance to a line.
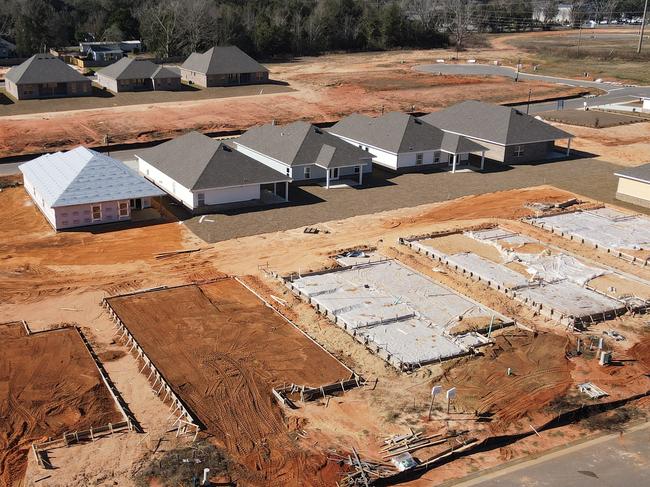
[305, 152]
[205, 174]
[398, 141]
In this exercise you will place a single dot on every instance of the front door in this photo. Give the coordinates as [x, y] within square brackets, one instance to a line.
[334, 173]
[136, 203]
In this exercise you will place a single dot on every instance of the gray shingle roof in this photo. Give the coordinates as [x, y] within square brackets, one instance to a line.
[301, 143]
[44, 68]
[129, 68]
[639, 173]
[198, 162]
[457, 144]
[494, 123]
[83, 176]
[394, 132]
[223, 60]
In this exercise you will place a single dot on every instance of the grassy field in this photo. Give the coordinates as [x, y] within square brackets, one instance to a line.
[602, 54]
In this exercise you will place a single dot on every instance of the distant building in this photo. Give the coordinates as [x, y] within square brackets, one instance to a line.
[634, 185]
[82, 187]
[105, 54]
[7, 49]
[509, 135]
[124, 46]
[45, 76]
[563, 15]
[223, 66]
[129, 74]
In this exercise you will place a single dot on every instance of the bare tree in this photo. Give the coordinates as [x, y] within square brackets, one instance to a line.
[428, 12]
[463, 20]
[547, 11]
[160, 22]
[198, 25]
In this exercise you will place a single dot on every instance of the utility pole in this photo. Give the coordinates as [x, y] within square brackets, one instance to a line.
[530, 92]
[645, 11]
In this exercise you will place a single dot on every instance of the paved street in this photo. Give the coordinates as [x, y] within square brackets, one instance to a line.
[611, 461]
[615, 93]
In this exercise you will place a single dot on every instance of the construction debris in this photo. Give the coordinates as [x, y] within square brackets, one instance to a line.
[592, 390]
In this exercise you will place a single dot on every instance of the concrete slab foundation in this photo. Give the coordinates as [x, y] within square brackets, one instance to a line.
[554, 284]
[398, 313]
[628, 236]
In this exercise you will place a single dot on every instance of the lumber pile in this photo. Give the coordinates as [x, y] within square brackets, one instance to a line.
[164, 255]
[400, 444]
[363, 472]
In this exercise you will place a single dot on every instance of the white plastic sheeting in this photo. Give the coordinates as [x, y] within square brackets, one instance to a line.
[397, 309]
[556, 281]
[604, 227]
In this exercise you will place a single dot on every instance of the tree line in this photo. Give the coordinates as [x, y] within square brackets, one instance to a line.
[269, 28]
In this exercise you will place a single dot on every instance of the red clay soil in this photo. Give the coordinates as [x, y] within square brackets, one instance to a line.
[641, 352]
[49, 385]
[540, 373]
[222, 350]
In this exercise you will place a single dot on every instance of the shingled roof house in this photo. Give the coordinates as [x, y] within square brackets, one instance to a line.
[510, 135]
[199, 172]
[398, 140]
[82, 187]
[45, 76]
[304, 152]
[138, 75]
[223, 66]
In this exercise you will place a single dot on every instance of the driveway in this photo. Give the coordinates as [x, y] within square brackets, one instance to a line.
[615, 93]
[387, 191]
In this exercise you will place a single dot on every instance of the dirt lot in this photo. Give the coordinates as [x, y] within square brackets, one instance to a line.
[327, 88]
[105, 99]
[47, 277]
[50, 385]
[221, 350]
[621, 145]
[594, 119]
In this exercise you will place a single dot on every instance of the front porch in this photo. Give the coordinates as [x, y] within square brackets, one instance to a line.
[333, 175]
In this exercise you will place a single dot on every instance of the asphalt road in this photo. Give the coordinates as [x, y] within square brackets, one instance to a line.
[609, 461]
[615, 92]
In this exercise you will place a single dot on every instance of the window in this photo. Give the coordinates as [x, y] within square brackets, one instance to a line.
[288, 171]
[356, 169]
[200, 199]
[419, 158]
[124, 209]
[436, 157]
[97, 212]
[307, 172]
[519, 151]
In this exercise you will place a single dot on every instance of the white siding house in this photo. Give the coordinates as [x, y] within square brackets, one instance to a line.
[400, 141]
[82, 187]
[200, 172]
[304, 152]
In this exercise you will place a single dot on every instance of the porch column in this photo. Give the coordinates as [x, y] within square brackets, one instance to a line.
[453, 164]
[482, 160]
[568, 147]
[327, 179]
[286, 191]
[360, 175]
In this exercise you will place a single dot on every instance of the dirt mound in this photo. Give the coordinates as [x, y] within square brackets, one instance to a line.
[641, 352]
[540, 372]
[49, 385]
